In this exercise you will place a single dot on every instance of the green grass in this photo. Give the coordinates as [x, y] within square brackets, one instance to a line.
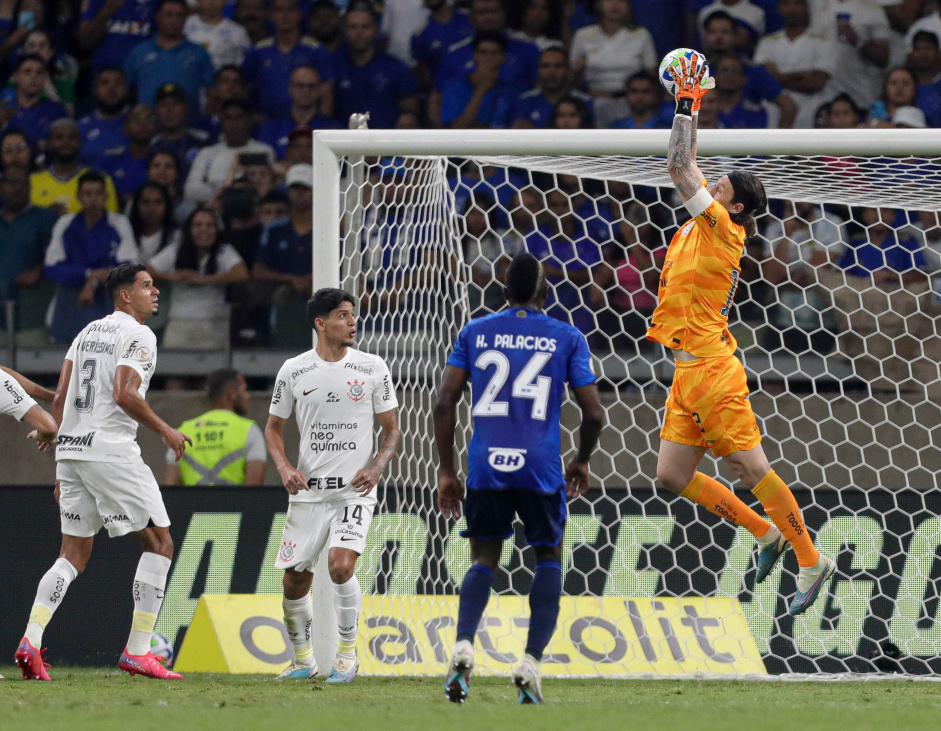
[81, 699]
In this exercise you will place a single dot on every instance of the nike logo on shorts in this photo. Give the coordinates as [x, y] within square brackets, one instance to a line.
[309, 392]
[344, 538]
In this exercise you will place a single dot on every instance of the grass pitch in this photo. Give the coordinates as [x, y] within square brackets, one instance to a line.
[80, 699]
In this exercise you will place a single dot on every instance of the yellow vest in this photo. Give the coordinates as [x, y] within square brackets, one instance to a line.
[217, 456]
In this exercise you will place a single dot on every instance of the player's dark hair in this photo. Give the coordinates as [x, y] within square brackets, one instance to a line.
[749, 191]
[489, 36]
[219, 380]
[91, 176]
[121, 277]
[326, 300]
[525, 280]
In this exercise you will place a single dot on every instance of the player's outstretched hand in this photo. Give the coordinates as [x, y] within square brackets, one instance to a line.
[576, 478]
[450, 496]
[293, 480]
[366, 479]
[177, 441]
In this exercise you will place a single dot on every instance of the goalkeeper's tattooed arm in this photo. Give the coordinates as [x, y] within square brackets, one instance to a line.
[681, 158]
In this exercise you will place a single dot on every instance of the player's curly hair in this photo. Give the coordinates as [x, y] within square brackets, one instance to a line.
[525, 280]
[326, 300]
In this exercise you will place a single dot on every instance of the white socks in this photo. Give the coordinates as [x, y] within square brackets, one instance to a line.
[149, 584]
[49, 596]
[348, 600]
[298, 617]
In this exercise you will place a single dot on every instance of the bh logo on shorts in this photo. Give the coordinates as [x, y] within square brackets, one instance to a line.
[356, 391]
[287, 550]
[507, 460]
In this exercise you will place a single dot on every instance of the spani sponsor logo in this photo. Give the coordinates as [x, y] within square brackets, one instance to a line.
[67, 440]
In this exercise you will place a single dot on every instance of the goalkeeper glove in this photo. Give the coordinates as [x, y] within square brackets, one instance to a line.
[692, 84]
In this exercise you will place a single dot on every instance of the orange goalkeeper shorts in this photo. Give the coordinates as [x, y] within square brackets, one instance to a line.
[708, 406]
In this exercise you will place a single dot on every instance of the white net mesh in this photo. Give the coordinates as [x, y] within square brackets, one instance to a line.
[843, 368]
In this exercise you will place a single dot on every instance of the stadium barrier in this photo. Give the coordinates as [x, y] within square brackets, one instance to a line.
[621, 544]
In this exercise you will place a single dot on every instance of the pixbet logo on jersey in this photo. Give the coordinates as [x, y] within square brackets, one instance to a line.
[507, 460]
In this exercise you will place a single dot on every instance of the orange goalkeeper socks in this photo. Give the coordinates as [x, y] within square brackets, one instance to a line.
[779, 503]
[718, 499]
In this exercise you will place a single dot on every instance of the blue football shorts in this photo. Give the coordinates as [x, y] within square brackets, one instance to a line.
[490, 514]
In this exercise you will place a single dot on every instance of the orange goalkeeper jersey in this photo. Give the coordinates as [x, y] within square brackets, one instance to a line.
[697, 285]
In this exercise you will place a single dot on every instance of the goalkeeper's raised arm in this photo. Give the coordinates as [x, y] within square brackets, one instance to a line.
[692, 83]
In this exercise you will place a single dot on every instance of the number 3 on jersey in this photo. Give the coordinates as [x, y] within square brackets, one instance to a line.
[528, 384]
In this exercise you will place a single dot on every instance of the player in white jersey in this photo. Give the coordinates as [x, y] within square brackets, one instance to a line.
[101, 480]
[18, 397]
[336, 393]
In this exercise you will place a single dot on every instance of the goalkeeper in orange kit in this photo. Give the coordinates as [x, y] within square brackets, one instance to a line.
[708, 408]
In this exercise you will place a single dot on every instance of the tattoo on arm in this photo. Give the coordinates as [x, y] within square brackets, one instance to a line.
[680, 159]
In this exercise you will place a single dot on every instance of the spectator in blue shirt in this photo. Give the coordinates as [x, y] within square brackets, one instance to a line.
[325, 24]
[174, 132]
[304, 112]
[760, 84]
[520, 69]
[127, 165]
[370, 81]
[284, 253]
[103, 128]
[25, 232]
[30, 113]
[114, 27]
[446, 26]
[925, 63]
[737, 110]
[269, 64]
[84, 247]
[642, 94]
[569, 257]
[480, 99]
[571, 112]
[170, 57]
[891, 257]
[252, 15]
[534, 107]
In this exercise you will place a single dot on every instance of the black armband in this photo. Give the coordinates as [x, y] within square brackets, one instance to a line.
[684, 106]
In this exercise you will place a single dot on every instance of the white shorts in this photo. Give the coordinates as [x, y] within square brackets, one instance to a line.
[121, 496]
[344, 521]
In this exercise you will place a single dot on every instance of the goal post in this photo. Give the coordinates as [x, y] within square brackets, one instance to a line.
[843, 371]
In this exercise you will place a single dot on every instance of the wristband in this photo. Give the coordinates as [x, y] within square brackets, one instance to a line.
[684, 106]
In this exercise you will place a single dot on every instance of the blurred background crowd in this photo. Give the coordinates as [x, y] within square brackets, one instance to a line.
[178, 133]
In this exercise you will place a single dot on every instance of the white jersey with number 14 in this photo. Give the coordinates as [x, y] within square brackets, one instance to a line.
[335, 405]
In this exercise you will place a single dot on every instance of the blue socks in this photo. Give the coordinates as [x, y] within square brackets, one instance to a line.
[475, 593]
[543, 606]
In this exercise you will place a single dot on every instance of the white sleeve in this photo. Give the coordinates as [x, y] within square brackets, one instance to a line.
[197, 188]
[282, 399]
[227, 258]
[73, 349]
[165, 260]
[255, 450]
[127, 248]
[139, 351]
[13, 399]
[762, 52]
[578, 43]
[699, 202]
[383, 394]
[55, 252]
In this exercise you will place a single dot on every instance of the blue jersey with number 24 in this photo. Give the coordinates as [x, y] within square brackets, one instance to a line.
[519, 361]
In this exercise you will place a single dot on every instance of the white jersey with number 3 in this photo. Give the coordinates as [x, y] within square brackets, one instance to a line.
[335, 405]
[94, 428]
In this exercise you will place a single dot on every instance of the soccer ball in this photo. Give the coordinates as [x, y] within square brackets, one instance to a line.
[161, 649]
[673, 59]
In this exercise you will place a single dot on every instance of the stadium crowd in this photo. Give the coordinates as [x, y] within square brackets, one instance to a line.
[177, 133]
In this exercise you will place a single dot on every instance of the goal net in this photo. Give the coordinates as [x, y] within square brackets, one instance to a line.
[837, 323]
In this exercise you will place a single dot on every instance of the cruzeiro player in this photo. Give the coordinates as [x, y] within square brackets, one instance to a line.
[518, 362]
[101, 480]
[708, 407]
[336, 393]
